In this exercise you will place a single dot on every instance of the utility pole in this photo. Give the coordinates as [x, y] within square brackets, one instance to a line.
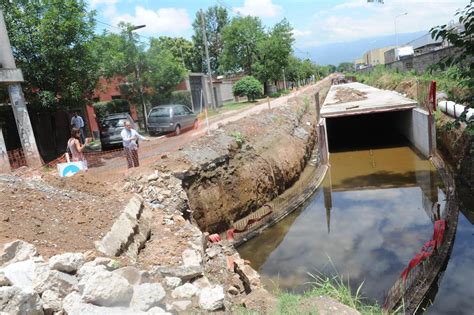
[137, 73]
[13, 77]
[209, 71]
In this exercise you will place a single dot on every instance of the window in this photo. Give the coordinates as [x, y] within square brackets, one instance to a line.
[187, 111]
[160, 112]
[114, 123]
[178, 110]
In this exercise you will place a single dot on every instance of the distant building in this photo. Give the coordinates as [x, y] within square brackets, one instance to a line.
[359, 63]
[376, 56]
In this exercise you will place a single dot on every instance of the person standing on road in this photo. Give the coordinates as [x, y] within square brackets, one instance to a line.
[78, 122]
[129, 139]
[75, 147]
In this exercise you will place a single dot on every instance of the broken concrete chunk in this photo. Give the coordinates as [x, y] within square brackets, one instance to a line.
[212, 299]
[59, 282]
[191, 258]
[133, 275]
[146, 296]
[172, 282]
[186, 291]
[52, 301]
[21, 273]
[68, 262]
[184, 273]
[181, 306]
[16, 251]
[4, 281]
[73, 305]
[14, 300]
[105, 288]
[202, 283]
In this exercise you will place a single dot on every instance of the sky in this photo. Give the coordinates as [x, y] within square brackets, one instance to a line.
[315, 22]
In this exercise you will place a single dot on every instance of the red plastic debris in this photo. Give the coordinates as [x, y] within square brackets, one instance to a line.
[215, 238]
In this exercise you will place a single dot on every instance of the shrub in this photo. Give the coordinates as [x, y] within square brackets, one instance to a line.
[275, 94]
[248, 86]
[102, 109]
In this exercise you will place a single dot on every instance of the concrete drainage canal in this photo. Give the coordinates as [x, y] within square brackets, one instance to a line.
[376, 220]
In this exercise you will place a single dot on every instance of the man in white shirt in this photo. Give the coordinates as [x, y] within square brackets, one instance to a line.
[78, 122]
[130, 147]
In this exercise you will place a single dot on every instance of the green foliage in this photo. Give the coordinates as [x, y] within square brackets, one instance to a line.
[238, 137]
[337, 288]
[51, 42]
[273, 51]
[181, 97]
[103, 109]
[216, 18]
[345, 67]
[464, 60]
[163, 74]
[275, 94]
[182, 50]
[248, 86]
[241, 39]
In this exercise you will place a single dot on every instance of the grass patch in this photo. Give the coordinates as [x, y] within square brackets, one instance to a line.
[227, 107]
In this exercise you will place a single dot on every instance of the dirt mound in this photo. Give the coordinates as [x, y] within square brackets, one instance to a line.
[247, 163]
[57, 214]
[344, 95]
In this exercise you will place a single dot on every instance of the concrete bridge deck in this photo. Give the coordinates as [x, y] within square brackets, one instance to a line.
[357, 98]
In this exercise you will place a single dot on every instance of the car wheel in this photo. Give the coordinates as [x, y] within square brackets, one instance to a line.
[177, 130]
[196, 124]
[152, 133]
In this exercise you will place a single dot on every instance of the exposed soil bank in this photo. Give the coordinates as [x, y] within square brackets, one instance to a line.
[247, 163]
[457, 147]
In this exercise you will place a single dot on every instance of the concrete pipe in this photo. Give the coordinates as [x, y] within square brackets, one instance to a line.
[455, 110]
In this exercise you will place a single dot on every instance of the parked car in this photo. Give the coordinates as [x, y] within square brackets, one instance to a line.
[171, 118]
[110, 129]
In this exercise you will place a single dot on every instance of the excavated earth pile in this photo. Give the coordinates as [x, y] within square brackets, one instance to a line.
[247, 163]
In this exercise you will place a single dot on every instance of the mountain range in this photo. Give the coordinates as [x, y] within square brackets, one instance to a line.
[336, 53]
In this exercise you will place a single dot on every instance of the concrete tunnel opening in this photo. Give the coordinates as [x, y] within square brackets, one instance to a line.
[366, 131]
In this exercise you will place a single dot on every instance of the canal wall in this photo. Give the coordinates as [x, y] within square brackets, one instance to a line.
[415, 125]
[247, 163]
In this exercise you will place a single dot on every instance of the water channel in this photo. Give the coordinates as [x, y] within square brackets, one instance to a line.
[373, 214]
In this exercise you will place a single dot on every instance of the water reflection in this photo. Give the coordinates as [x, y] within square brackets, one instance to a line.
[372, 215]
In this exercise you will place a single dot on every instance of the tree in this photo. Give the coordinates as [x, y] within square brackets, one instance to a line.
[182, 50]
[241, 39]
[273, 52]
[248, 86]
[345, 67]
[51, 42]
[162, 74]
[464, 59]
[216, 19]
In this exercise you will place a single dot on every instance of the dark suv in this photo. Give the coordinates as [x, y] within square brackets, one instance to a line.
[171, 118]
[110, 129]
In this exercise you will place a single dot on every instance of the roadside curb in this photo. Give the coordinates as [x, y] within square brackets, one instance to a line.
[129, 231]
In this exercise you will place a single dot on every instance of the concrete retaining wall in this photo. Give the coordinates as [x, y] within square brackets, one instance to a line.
[418, 127]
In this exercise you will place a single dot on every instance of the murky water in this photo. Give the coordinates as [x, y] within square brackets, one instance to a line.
[373, 215]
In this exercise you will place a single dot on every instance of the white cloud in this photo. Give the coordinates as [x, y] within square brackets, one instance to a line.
[357, 19]
[96, 3]
[301, 33]
[260, 8]
[164, 20]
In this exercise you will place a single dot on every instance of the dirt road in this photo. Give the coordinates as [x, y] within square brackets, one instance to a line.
[150, 151]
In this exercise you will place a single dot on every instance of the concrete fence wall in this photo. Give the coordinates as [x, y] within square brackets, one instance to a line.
[419, 63]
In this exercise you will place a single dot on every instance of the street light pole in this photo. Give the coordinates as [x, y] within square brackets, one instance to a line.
[137, 73]
[395, 23]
